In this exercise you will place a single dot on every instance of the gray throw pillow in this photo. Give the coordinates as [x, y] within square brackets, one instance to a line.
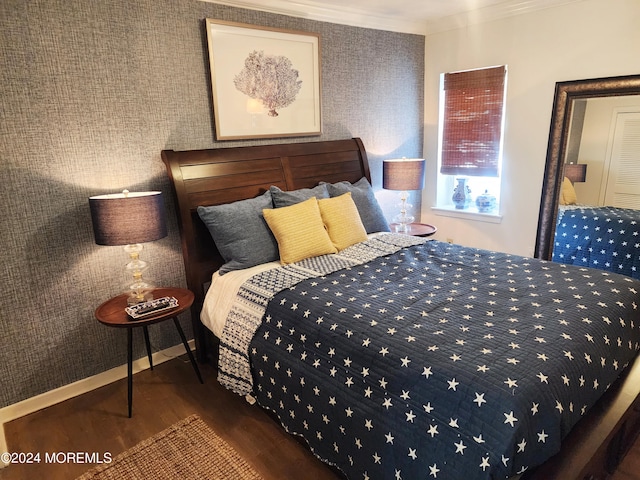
[369, 209]
[241, 233]
[283, 198]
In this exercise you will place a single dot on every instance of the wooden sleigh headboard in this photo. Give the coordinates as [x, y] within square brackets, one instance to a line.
[224, 175]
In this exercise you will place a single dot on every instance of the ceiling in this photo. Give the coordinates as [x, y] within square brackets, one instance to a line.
[407, 16]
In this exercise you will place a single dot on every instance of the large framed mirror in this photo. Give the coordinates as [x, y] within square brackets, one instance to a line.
[570, 100]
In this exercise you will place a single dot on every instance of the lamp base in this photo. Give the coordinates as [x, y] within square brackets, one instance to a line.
[403, 227]
[138, 289]
[404, 219]
[135, 298]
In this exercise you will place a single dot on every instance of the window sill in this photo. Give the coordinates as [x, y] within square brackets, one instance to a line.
[468, 213]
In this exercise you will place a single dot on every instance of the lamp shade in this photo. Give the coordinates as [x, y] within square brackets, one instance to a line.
[403, 174]
[575, 172]
[128, 217]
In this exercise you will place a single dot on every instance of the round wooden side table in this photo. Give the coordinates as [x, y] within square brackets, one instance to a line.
[112, 313]
[416, 229]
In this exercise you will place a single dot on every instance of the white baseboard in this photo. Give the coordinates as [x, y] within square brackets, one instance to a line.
[33, 404]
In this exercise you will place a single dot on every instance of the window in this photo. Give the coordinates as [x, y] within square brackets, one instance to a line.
[471, 125]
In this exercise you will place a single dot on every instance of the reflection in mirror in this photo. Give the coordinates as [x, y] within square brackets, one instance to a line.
[602, 158]
[593, 167]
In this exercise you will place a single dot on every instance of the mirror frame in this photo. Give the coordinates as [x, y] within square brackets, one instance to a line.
[563, 103]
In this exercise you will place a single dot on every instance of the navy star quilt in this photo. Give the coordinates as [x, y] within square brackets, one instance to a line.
[433, 360]
[607, 238]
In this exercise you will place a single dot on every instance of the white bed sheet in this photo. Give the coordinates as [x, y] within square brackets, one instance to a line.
[222, 293]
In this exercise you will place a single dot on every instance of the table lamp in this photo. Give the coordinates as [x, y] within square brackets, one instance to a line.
[403, 174]
[575, 172]
[130, 219]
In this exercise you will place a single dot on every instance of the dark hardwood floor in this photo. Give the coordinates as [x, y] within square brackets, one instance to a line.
[97, 422]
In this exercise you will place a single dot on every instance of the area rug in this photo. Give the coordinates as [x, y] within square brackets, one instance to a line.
[187, 450]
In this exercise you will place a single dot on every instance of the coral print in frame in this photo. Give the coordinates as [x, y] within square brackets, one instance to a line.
[266, 82]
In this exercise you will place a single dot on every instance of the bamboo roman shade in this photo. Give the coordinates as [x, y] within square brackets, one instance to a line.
[473, 122]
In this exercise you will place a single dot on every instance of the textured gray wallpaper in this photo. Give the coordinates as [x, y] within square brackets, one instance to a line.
[91, 92]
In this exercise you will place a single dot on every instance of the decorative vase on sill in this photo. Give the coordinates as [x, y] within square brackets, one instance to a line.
[486, 202]
[461, 194]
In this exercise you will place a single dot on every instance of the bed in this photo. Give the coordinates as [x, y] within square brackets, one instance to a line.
[402, 357]
[606, 238]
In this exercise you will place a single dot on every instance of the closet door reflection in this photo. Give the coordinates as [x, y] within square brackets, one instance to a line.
[622, 188]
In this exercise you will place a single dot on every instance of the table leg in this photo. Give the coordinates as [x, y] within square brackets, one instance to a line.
[130, 368]
[186, 346]
[148, 344]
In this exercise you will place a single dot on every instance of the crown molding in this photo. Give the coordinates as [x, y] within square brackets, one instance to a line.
[341, 15]
[358, 17]
[490, 13]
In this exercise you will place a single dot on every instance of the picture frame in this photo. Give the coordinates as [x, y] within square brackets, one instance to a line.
[265, 81]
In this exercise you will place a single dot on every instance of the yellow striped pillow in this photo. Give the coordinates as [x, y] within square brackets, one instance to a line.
[299, 231]
[342, 220]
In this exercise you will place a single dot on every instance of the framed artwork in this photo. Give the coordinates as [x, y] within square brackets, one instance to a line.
[266, 82]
